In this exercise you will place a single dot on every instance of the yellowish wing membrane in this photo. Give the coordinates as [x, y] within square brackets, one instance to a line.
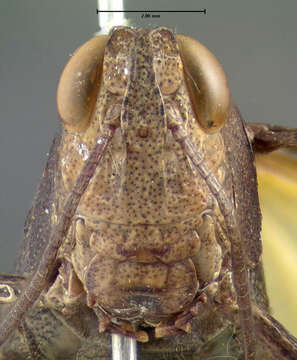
[277, 180]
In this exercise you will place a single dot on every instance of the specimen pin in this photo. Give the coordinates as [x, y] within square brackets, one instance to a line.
[108, 17]
[123, 348]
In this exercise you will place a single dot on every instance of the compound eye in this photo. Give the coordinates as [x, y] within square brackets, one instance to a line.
[166, 62]
[117, 60]
[206, 83]
[79, 84]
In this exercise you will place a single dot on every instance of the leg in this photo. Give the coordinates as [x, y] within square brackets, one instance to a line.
[279, 343]
[266, 138]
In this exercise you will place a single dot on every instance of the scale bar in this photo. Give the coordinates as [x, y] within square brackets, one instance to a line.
[151, 11]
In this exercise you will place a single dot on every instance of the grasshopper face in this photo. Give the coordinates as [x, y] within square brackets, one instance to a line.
[161, 227]
[144, 237]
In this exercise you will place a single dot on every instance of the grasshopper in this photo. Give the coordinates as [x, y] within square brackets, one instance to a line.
[146, 222]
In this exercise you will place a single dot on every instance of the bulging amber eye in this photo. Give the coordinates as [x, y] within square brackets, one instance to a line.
[79, 84]
[206, 82]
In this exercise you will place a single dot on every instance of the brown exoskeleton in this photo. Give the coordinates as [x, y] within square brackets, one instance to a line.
[146, 222]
